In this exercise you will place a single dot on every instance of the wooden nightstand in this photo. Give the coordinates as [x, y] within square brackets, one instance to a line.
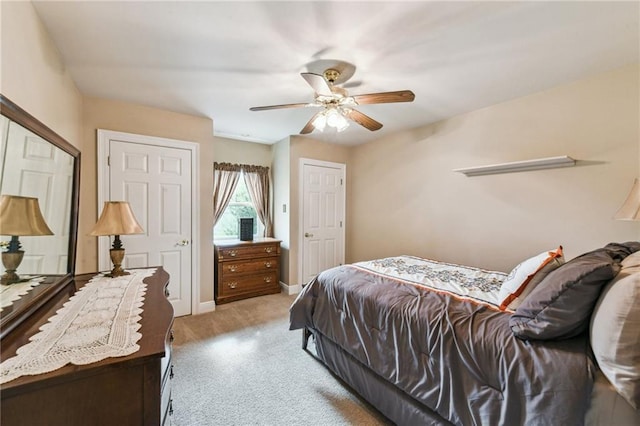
[246, 269]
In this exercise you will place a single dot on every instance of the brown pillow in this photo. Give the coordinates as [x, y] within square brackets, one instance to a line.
[561, 305]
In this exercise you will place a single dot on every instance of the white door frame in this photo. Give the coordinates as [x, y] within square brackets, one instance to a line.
[104, 136]
[319, 163]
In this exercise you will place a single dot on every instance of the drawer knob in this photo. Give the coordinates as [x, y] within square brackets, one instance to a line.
[267, 279]
[233, 284]
[268, 249]
[233, 253]
[267, 264]
[233, 268]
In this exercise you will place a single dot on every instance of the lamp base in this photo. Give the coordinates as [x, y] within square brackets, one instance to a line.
[11, 261]
[116, 258]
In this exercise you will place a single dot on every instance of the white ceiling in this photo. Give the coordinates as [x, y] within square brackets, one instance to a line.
[217, 59]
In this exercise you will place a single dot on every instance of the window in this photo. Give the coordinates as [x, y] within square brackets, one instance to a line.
[240, 206]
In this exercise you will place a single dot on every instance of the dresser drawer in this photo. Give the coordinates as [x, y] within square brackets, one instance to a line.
[266, 264]
[166, 404]
[248, 251]
[231, 286]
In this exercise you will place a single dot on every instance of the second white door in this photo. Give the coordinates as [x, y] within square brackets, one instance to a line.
[323, 212]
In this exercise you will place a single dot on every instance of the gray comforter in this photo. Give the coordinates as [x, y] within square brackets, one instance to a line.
[456, 357]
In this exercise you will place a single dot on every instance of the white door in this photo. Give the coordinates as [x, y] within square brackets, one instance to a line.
[323, 208]
[157, 183]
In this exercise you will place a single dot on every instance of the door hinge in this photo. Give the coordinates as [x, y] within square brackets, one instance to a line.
[108, 161]
[340, 224]
[340, 181]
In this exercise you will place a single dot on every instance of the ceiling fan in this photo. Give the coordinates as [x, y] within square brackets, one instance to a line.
[337, 106]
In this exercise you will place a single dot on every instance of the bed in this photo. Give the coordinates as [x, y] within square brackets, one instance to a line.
[428, 342]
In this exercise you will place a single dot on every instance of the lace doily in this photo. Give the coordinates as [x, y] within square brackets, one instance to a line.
[12, 292]
[99, 321]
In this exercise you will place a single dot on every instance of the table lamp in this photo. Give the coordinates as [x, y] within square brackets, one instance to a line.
[116, 219]
[19, 216]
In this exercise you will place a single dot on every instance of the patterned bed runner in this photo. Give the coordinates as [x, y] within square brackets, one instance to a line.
[464, 282]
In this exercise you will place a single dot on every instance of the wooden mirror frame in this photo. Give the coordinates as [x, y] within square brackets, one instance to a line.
[52, 284]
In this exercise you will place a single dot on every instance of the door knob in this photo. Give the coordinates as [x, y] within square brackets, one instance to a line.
[183, 243]
[308, 235]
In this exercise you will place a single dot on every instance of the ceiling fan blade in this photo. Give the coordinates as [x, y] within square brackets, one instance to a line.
[308, 128]
[352, 84]
[317, 83]
[385, 97]
[264, 108]
[363, 120]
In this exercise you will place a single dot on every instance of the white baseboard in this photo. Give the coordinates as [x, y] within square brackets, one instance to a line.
[205, 307]
[290, 289]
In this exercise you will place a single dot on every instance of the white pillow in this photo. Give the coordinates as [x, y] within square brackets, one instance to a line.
[528, 274]
[615, 330]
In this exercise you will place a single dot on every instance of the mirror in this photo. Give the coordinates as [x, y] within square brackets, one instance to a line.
[36, 162]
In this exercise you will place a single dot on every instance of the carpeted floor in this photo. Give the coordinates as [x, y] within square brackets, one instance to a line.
[240, 365]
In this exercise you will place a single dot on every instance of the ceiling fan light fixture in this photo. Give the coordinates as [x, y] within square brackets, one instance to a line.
[333, 118]
[342, 127]
[320, 122]
[336, 120]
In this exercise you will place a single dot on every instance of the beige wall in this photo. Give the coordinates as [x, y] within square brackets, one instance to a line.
[33, 75]
[241, 152]
[302, 147]
[130, 118]
[281, 173]
[405, 198]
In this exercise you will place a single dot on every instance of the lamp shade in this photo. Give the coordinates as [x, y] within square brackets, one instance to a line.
[630, 210]
[116, 219]
[21, 216]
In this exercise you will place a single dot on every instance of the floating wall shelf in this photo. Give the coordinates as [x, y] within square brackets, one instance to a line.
[519, 166]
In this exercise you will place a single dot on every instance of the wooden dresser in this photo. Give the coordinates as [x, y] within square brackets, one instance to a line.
[246, 269]
[129, 390]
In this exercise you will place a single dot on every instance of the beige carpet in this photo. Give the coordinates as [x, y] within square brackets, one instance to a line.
[240, 365]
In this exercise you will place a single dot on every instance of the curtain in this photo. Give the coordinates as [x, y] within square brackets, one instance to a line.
[257, 180]
[225, 180]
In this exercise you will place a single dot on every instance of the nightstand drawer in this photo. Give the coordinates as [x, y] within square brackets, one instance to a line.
[232, 286]
[249, 266]
[248, 252]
